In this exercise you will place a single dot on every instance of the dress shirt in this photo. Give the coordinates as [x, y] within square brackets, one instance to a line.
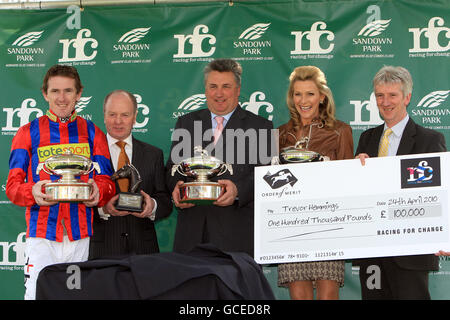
[226, 117]
[396, 136]
[114, 149]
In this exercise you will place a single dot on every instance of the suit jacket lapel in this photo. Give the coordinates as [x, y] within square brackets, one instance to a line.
[375, 141]
[135, 158]
[234, 123]
[235, 120]
[408, 140]
[205, 117]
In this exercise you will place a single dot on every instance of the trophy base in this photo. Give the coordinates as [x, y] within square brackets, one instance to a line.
[129, 201]
[68, 192]
[200, 193]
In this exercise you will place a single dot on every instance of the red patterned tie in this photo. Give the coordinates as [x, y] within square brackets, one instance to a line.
[219, 128]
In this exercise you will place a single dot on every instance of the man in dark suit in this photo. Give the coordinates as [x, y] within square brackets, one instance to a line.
[119, 232]
[228, 222]
[404, 277]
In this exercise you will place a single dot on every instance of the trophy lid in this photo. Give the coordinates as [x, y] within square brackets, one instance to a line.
[294, 155]
[68, 161]
[201, 165]
[202, 161]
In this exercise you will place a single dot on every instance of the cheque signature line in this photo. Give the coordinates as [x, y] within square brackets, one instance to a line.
[312, 232]
[324, 238]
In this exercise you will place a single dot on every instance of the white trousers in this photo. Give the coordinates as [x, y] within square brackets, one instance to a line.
[40, 253]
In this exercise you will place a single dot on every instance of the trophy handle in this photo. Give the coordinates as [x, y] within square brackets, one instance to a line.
[176, 168]
[224, 167]
[275, 160]
[94, 166]
[41, 166]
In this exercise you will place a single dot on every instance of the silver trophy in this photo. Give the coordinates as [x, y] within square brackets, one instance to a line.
[68, 188]
[201, 168]
[297, 154]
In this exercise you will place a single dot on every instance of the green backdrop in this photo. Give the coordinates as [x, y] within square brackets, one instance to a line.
[158, 52]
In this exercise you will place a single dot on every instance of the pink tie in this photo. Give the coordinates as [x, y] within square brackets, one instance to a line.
[219, 128]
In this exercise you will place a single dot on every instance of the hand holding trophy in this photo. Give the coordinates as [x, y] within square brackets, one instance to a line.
[201, 168]
[68, 188]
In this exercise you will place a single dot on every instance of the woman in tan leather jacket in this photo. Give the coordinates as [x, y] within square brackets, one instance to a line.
[313, 123]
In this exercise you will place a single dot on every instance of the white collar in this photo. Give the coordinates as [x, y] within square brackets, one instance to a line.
[399, 127]
[226, 116]
[112, 141]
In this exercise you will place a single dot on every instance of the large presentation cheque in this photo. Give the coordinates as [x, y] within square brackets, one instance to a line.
[336, 210]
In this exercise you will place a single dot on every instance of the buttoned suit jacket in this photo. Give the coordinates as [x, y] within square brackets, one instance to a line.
[125, 235]
[415, 139]
[229, 228]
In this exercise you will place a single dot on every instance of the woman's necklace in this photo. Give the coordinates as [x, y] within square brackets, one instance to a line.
[303, 142]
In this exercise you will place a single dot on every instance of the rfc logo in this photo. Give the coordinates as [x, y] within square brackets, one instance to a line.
[420, 172]
[17, 117]
[433, 40]
[13, 253]
[200, 44]
[257, 102]
[24, 52]
[142, 115]
[315, 43]
[79, 51]
[366, 114]
[280, 179]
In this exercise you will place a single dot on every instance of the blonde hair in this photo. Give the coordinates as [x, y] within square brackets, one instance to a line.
[327, 108]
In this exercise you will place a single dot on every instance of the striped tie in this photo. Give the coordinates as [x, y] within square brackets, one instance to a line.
[384, 145]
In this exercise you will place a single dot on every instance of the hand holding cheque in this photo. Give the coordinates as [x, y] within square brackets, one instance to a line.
[341, 210]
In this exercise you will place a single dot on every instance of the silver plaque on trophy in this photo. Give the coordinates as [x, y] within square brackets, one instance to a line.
[68, 188]
[201, 168]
